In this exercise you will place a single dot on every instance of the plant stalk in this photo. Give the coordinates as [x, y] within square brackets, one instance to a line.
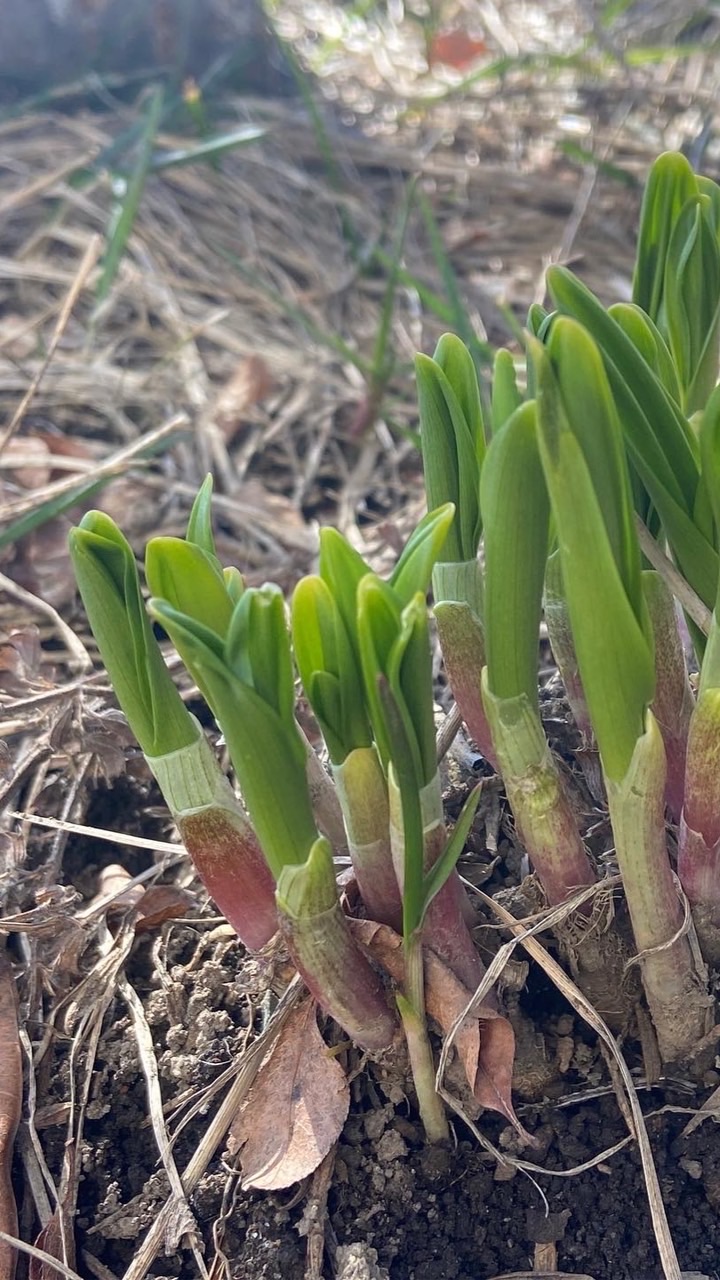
[699, 833]
[675, 991]
[412, 1012]
[444, 928]
[673, 703]
[219, 839]
[335, 969]
[557, 619]
[463, 647]
[537, 797]
[363, 795]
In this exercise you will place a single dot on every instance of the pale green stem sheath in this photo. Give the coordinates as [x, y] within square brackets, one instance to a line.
[412, 1012]
[699, 834]
[557, 618]
[219, 839]
[458, 610]
[444, 929]
[673, 703]
[335, 969]
[324, 799]
[679, 1006]
[537, 797]
[362, 792]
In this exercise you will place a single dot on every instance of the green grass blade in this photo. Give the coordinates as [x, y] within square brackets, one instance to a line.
[127, 210]
[210, 149]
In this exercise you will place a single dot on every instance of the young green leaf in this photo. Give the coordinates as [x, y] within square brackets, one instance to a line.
[516, 514]
[199, 528]
[257, 649]
[190, 579]
[600, 564]
[342, 568]
[448, 860]
[506, 397]
[692, 301]
[658, 436]
[328, 668]
[650, 343]
[264, 744]
[670, 184]
[453, 444]
[395, 643]
[107, 577]
[413, 571]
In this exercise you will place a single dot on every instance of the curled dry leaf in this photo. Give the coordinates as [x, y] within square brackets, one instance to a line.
[163, 902]
[152, 906]
[250, 382]
[50, 915]
[116, 882]
[21, 662]
[27, 460]
[11, 1087]
[296, 1108]
[485, 1043]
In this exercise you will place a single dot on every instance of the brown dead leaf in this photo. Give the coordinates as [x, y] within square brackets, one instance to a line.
[11, 1091]
[163, 902]
[251, 382]
[52, 912]
[27, 460]
[151, 907]
[41, 562]
[21, 662]
[485, 1043]
[296, 1108]
[61, 445]
[114, 881]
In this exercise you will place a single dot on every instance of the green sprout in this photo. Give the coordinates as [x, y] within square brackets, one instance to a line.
[582, 451]
[212, 823]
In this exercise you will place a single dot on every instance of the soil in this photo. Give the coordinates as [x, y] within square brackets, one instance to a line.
[417, 1212]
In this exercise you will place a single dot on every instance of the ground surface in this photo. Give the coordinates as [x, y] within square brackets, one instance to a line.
[242, 320]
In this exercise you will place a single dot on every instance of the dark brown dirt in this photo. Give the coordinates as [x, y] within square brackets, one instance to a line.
[430, 1214]
[442, 1215]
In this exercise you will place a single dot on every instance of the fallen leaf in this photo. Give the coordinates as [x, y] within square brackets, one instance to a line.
[151, 907]
[484, 1043]
[250, 382]
[163, 902]
[26, 458]
[296, 1108]
[114, 881]
[11, 1090]
[21, 662]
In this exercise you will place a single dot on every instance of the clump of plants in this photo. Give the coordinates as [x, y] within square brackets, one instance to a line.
[588, 486]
